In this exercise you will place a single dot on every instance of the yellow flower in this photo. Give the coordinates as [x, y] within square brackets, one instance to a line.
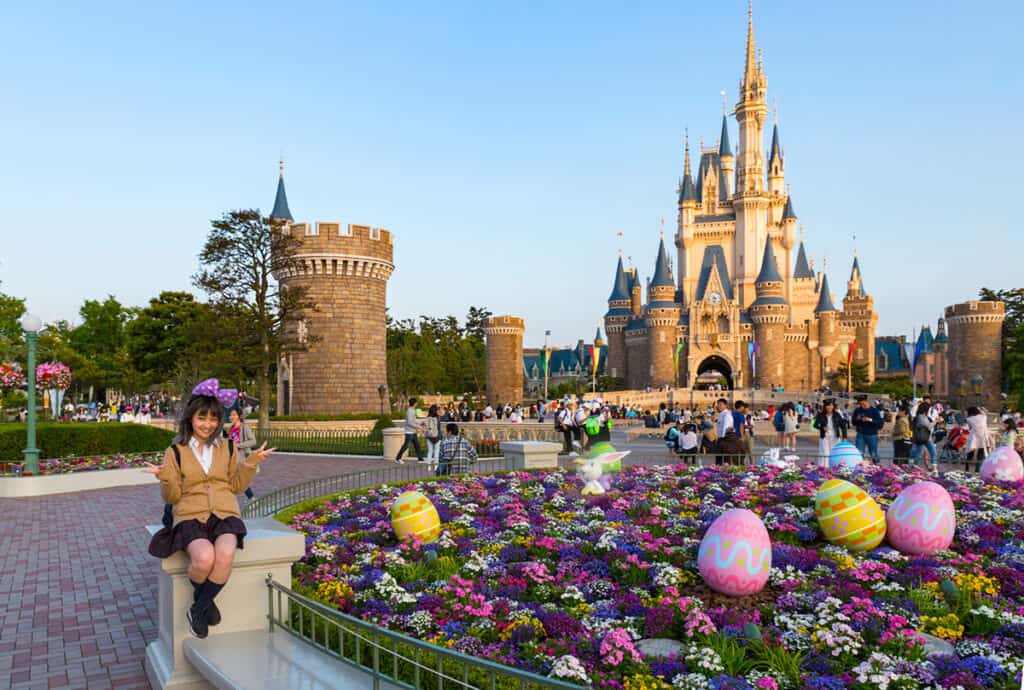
[977, 584]
[947, 627]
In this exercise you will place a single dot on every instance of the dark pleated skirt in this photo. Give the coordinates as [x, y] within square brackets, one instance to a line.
[169, 541]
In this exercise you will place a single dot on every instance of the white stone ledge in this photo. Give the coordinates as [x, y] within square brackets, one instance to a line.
[46, 484]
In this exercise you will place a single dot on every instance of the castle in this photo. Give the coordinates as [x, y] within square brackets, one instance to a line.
[341, 364]
[747, 303]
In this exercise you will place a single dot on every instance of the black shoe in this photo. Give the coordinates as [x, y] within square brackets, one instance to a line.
[213, 615]
[197, 622]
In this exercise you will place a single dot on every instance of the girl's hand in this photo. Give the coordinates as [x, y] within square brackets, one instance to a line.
[152, 469]
[261, 454]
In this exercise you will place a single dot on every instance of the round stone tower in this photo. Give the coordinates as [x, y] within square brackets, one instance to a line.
[341, 363]
[828, 331]
[662, 320]
[770, 314]
[975, 350]
[504, 359]
[615, 320]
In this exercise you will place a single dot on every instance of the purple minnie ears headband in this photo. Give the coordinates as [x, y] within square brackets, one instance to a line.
[210, 388]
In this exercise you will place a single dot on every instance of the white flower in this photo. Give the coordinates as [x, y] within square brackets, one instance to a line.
[569, 667]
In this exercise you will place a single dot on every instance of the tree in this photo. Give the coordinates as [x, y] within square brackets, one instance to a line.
[100, 342]
[859, 373]
[476, 321]
[1013, 338]
[11, 309]
[241, 255]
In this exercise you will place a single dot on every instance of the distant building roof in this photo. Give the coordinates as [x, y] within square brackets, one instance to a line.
[710, 160]
[716, 218]
[763, 300]
[925, 339]
[636, 324]
[890, 355]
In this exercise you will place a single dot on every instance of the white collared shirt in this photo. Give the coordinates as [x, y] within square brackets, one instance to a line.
[204, 453]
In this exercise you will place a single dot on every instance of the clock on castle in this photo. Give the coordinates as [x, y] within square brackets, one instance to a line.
[747, 303]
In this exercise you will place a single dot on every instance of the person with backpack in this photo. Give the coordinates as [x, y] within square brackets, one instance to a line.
[790, 425]
[902, 439]
[592, 426]
[200, 475]
[432, 430]
[671, 436]
[565, 421]
[831, 426]
[779, 424]
[921, 435]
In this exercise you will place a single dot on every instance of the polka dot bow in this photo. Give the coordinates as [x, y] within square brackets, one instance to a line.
[211, 389]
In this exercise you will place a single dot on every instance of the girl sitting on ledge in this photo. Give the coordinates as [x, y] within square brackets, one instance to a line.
[200, 477]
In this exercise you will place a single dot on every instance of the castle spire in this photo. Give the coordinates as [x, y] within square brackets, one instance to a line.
[825, 298]
[724, 149]
[775, 152]
[686, 189]
[750, 68]
[662, 272]
[281, 210]
[802, 269]
[769, 266]
[620, 288]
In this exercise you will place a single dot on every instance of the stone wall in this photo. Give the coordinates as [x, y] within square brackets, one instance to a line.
[975, 348]
[504, 359]
[637, 361]
[662, 347]
[345, 269]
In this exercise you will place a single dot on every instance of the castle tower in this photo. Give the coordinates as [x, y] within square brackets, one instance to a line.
[828, 331]
[859, 312]
[504, 359]
[725, 155]
[636, 297]
[975, 348]
[598, 340]
[770, 315]
[345, 271]
[776, 165]
[750, 201]
[687, 214]
[662, 320]
[615, 321]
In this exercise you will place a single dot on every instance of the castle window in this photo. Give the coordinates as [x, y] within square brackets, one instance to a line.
[374, 233]
[344, 230]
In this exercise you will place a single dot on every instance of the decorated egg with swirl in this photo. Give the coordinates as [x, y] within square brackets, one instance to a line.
[921, 520]
[735, 554]
[845, 454]
[1002, 465]
[848, 516]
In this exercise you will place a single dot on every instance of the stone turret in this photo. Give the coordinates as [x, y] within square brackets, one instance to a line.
[828, 328]
[770, 315]
[504, 359]
[615, 321]
[344, 269]
[859, 313]
[725, 154]
[776, 164]
[975, 350]
[662, 319]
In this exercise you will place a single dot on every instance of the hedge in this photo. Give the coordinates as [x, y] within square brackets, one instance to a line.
[349, 417]
[61, 440]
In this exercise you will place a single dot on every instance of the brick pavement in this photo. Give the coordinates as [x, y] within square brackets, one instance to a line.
[79, 588]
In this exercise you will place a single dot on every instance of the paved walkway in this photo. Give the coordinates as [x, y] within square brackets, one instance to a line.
[79, 588]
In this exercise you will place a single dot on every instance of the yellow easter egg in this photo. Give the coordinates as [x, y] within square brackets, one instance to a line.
[413, 515]
[848, 516]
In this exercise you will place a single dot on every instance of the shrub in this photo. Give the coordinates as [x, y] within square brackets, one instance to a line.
[61, 440]
[383, 422]
[352, 416]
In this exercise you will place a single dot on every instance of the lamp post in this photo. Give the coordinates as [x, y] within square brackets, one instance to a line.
[31, 325]
[381, 389]
[962, 391]
[977, 381]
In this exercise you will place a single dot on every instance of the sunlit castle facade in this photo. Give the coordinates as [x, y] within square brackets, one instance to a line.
[744, 281]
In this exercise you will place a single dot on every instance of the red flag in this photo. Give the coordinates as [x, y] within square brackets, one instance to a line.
[849, 354]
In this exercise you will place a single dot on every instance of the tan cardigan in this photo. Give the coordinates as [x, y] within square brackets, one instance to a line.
[197, 495]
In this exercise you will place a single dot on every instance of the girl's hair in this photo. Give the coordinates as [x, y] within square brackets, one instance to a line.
[197, 404]
[432, 412]
[1010, 424]
[972, 411]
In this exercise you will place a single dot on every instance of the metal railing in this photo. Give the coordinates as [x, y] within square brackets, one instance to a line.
[391, 657]
[276, 501]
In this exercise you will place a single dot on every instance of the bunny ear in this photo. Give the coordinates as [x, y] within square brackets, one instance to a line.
[612, 457]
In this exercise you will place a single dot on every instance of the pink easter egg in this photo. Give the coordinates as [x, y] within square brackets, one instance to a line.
[922, 520]
[1002, 465]
[735, 554]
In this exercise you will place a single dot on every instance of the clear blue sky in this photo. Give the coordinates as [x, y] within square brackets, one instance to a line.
[504, 145]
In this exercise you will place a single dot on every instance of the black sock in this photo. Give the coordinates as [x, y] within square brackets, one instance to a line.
[197, 588]
[206, 596]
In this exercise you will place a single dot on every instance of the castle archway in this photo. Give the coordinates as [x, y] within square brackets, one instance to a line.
[712, 371]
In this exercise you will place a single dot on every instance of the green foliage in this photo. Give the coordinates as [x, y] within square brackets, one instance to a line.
[859, 373]
[99, 342]
[1013, 339]
[61, 440]
[437, 355]
[893, 386]
[383, 422]
[11, 309]
[779, 660]
[350, 417]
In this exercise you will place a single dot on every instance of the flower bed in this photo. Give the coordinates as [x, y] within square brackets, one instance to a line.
[89, 463]
[529, 573]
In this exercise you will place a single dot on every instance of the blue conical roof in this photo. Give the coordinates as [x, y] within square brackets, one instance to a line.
[788, 212]
[723, 141]
[803, 269]
[769, 267]
[281, 210]
[620, 289]
[775, 151]
[825, 299]
[686, 192]
[662, 273]
[597, 336]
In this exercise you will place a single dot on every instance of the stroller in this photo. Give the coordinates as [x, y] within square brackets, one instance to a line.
[951, 446]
